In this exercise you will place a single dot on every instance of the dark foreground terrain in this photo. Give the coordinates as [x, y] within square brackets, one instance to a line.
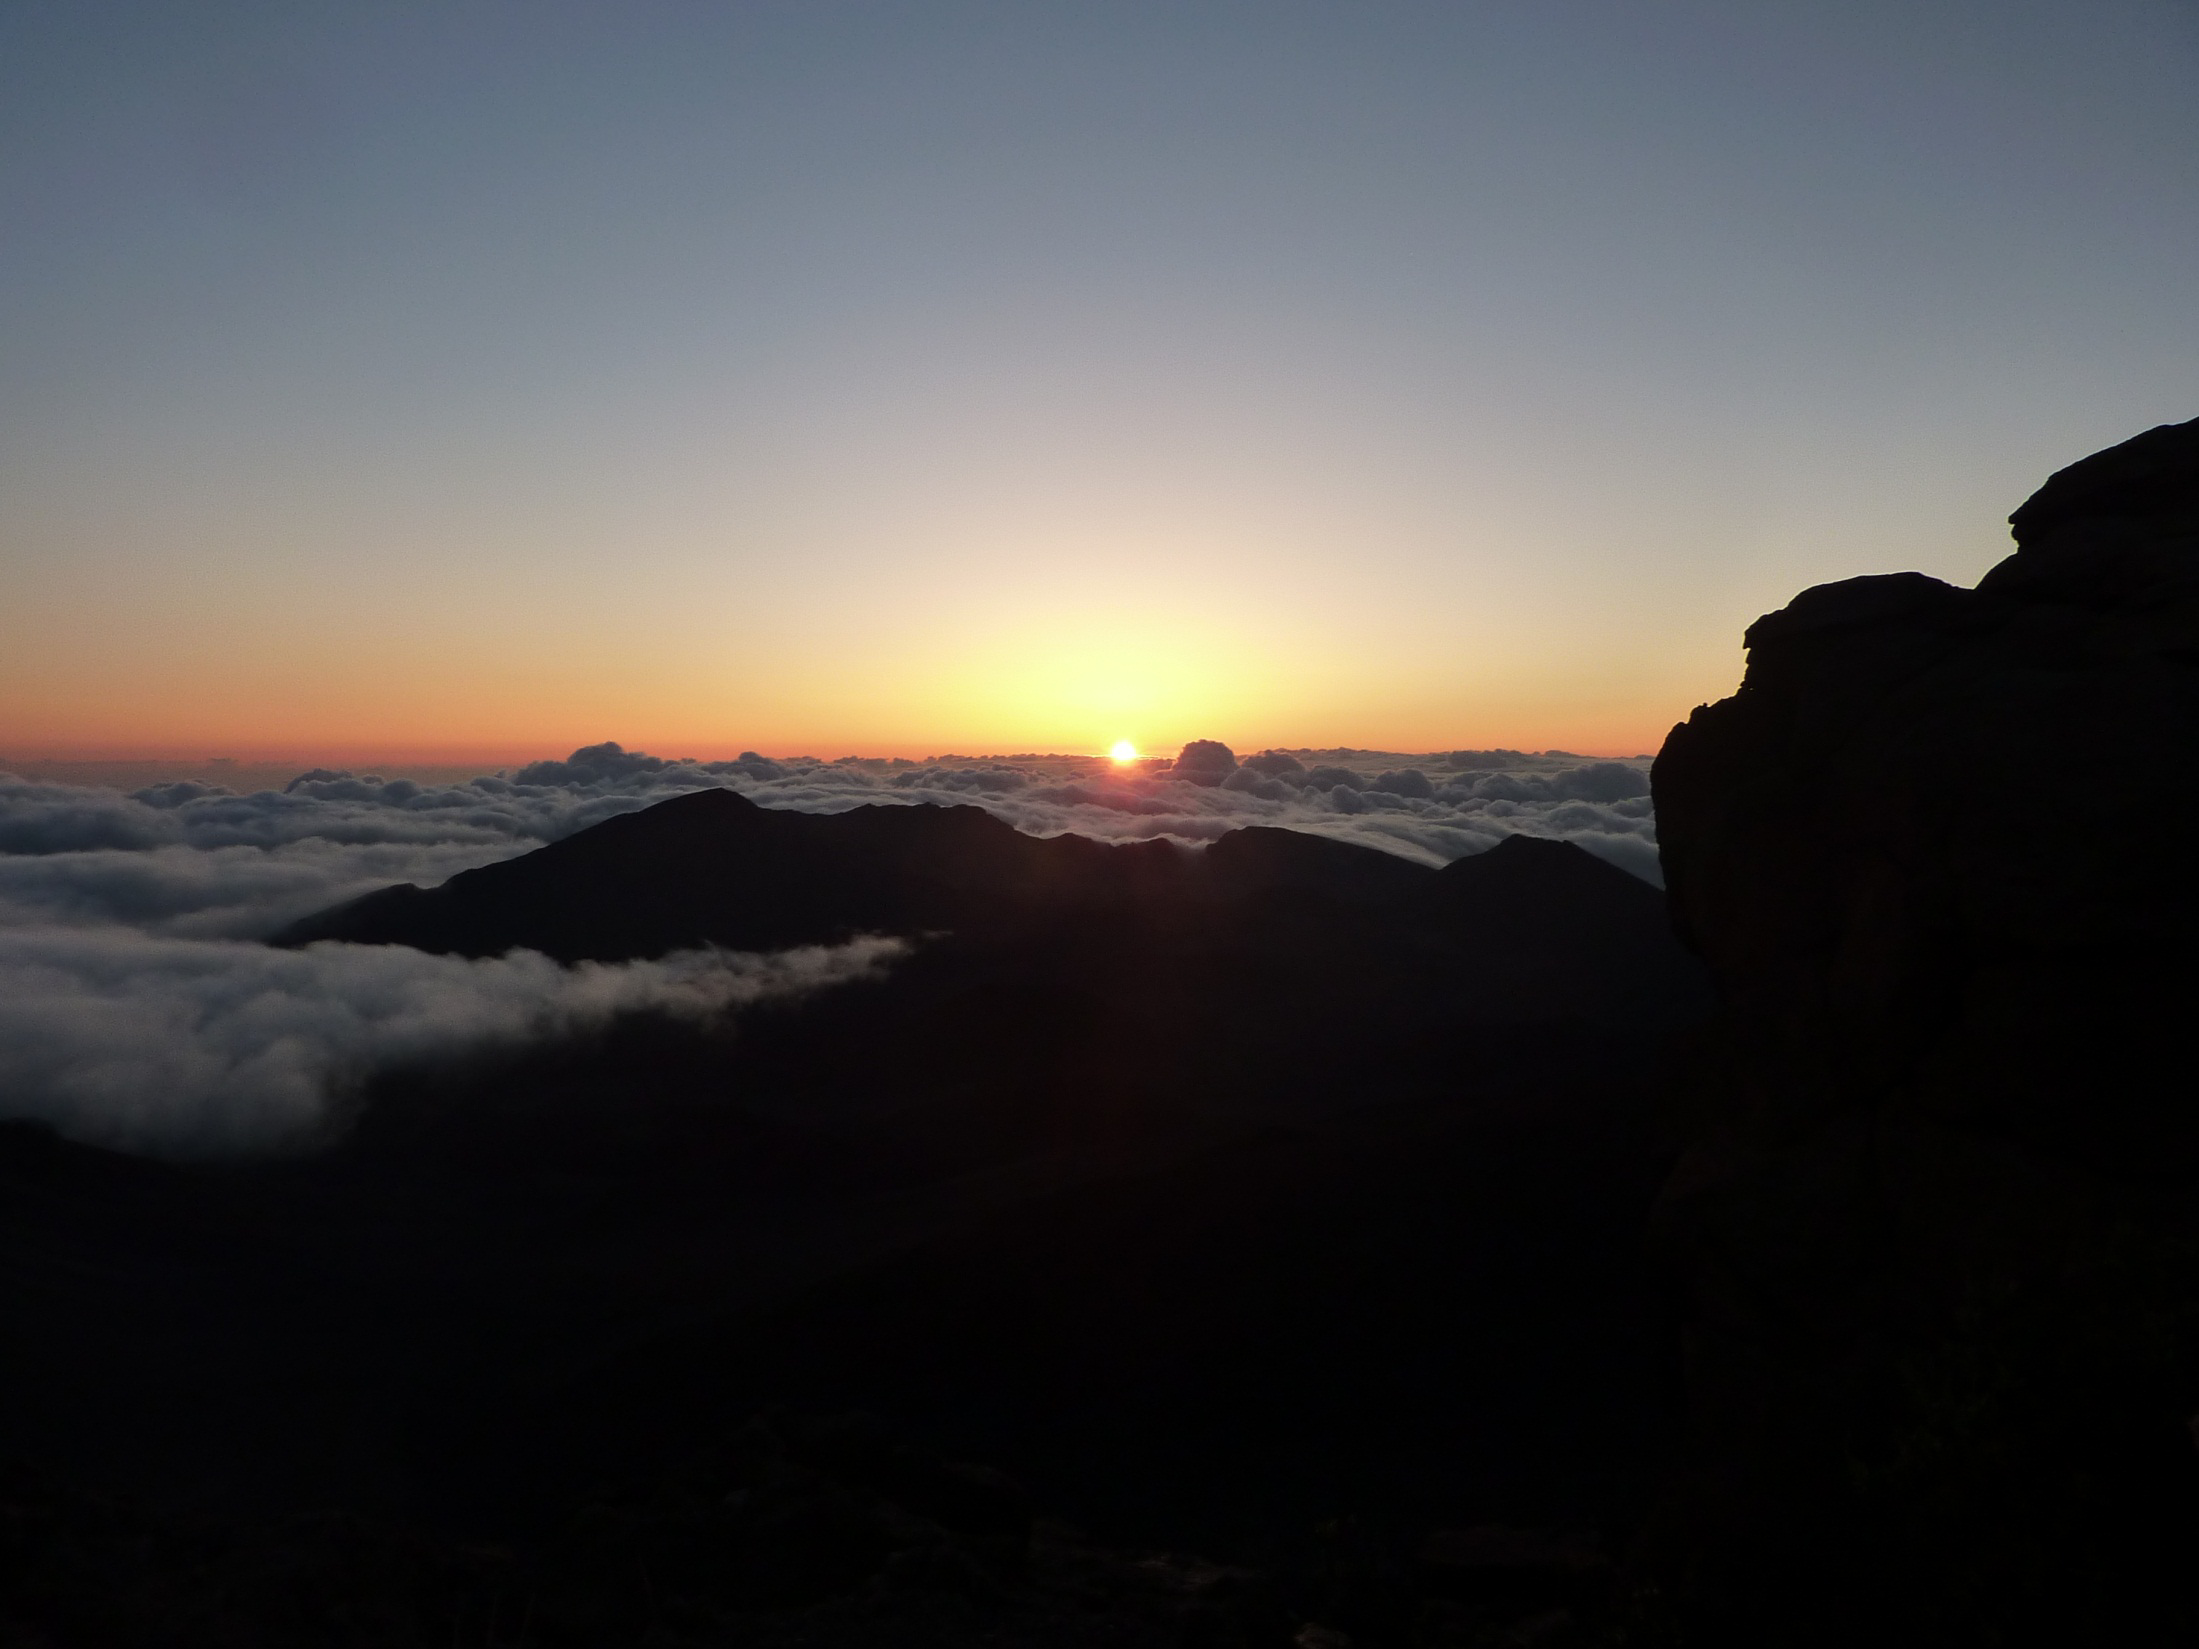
[1278, 1203]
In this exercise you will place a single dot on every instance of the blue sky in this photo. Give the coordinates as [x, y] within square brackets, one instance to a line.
[495, 378]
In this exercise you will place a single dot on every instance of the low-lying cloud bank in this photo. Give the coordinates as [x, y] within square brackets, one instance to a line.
[192, 858]
[137, 1009]
[192, 1047]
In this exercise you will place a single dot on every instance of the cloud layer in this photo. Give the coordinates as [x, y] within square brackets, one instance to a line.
[138, 1010]
[201, 859]
[188, 1047]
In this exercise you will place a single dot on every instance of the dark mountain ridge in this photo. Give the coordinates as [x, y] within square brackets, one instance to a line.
[1154, 1175]
[712, 867]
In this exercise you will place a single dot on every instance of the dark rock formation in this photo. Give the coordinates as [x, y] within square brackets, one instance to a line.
[1934, 1222]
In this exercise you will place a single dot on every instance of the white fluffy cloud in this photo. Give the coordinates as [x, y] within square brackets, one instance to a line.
[219, 892]
[196, 1047]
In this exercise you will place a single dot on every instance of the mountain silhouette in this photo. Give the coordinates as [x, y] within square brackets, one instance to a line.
[1554, 932]
[1204, 1189]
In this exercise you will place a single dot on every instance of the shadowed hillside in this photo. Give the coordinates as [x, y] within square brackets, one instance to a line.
[1221, 1197]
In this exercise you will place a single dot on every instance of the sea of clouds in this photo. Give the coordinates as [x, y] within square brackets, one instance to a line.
[139, 1009]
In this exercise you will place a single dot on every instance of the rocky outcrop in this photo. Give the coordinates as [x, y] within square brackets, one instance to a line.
[1933, 1222]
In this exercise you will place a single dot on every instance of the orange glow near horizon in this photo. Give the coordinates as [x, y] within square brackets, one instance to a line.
[986, 680]
[23, 754]
[743, 405]
[357, 737]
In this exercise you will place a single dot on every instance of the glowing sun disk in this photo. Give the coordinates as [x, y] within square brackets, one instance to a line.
[1124, 751]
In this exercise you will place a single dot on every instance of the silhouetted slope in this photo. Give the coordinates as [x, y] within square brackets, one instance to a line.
[1527, 884]
[1581, 939]
[1533, 930]
[1261, 860]
[1937, 1220]
[713, 868]
[1217, 1192]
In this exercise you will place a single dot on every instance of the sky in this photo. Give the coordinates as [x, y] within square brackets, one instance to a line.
[475, 382]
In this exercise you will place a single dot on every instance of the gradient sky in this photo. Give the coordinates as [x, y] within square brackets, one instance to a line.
[488, 379]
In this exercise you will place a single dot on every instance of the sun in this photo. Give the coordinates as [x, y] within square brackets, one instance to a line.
[1124, 752]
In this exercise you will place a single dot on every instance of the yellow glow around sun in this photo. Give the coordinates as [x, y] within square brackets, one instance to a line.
[1124, 751]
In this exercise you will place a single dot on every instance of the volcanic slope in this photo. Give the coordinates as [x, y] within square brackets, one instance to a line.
[1212, 1191]
[714, 868]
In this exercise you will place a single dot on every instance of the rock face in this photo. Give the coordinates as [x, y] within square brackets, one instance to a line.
[1933, 1224]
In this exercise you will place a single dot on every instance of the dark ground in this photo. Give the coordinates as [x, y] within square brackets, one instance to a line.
[1281, 1209]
